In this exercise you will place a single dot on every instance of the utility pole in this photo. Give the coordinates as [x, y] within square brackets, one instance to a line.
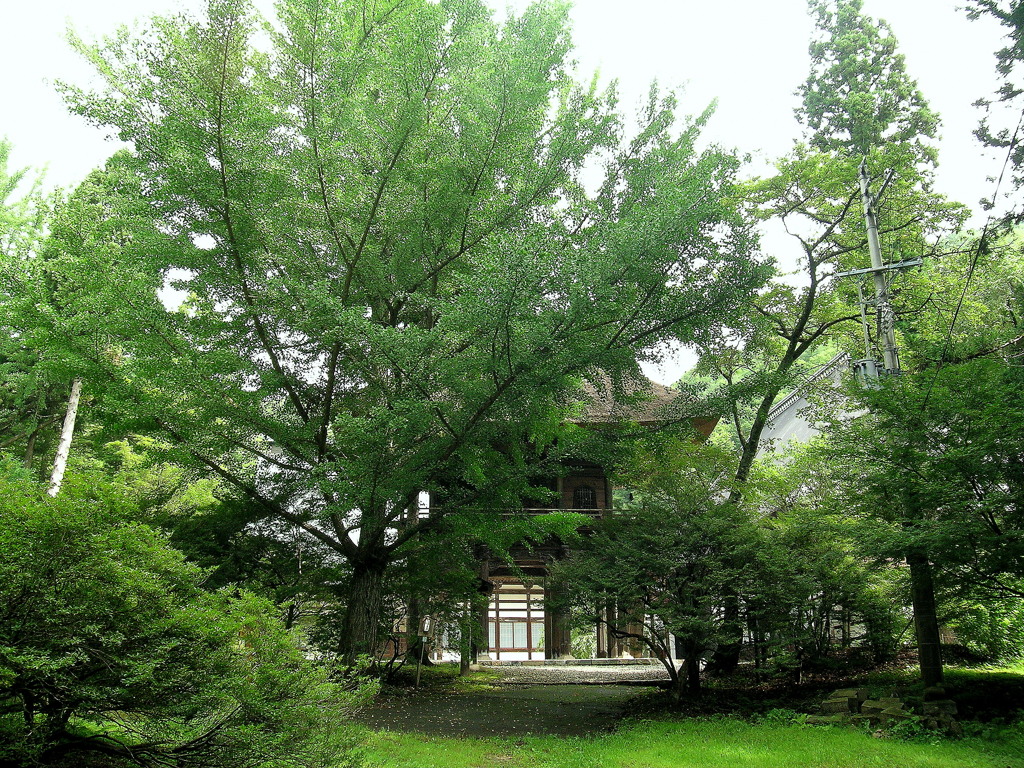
[883, 309]
[868, 368]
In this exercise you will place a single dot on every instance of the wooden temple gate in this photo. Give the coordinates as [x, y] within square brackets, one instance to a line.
[527, 616]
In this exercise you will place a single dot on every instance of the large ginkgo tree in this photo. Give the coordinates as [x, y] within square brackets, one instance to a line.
[396, 275]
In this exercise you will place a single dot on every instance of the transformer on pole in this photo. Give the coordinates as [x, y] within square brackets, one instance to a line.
[867, 369]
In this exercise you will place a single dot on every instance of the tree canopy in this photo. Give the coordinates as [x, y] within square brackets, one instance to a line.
[858, 95]
[396, 278]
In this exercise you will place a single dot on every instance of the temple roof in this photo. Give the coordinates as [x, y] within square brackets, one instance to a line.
[790, 419]
[641, 401]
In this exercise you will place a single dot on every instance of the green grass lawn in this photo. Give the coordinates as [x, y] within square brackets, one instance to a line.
[992, 695]
[713, 743]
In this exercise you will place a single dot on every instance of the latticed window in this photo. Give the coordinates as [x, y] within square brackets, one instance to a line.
[584, 497]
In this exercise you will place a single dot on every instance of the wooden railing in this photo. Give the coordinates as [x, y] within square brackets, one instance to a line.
[531, 511]
[593, 512]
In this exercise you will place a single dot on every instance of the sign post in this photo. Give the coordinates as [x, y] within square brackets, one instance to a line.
[424, 632]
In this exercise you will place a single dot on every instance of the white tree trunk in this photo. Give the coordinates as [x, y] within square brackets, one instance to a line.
[60, 461]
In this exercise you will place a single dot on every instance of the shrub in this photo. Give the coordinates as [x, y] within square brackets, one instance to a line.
[112, 653]
[993, 631]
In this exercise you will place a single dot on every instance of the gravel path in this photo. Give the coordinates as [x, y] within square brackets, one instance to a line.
[567, 701]
[592, 675]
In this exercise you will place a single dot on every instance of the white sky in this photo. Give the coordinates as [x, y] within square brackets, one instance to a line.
[749, 54]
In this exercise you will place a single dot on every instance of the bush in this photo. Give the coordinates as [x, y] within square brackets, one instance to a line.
[112, 653]
[991, 631]
[780, 717]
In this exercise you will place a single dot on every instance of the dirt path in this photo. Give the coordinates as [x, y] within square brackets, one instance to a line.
[533, 701]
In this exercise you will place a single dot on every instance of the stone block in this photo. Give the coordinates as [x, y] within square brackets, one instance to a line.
[872, 705]
[934, 693]
[915, 703]
[860, 694]
[894, 715]
[836, 706]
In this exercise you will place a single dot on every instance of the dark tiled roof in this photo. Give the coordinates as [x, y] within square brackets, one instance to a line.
[638, 400]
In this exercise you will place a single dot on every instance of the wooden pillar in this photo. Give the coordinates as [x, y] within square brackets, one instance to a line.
[549, 631]
[529, 621]
[557, 638]
[497, 621]
[635, 647]
[609, 639]
[614, 642]
[466, 649]
[482, 648]
[482, 644]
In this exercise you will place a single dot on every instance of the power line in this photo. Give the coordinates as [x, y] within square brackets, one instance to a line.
[974, 261]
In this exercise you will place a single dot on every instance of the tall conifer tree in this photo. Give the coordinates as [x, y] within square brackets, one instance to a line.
[860, 101]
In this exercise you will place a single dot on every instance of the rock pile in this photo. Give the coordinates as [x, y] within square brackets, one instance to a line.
[852, 706]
